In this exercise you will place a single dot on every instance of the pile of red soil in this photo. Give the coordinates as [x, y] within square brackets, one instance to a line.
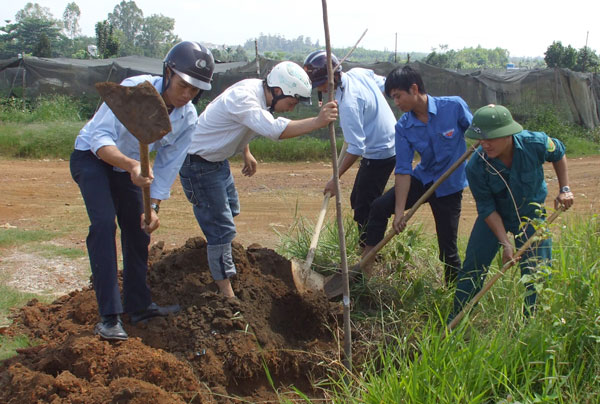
[216, 350]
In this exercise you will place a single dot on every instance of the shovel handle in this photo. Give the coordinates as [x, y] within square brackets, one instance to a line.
[371, 254]
[319, 225]
[502, 271]
[145, 167]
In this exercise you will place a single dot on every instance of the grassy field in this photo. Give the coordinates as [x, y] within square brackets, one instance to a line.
[48, 126]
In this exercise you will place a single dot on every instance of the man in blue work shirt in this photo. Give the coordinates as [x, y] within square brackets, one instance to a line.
[506, 178]
[367, 122]
[433, 127]
[105, 164]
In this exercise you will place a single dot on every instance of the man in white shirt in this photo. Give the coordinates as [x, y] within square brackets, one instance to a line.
[225, 128]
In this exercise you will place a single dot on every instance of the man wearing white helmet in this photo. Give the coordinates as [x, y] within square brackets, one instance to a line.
[225, 128]
[105, 164]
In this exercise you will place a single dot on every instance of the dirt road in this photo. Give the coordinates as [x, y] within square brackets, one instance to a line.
[41, 195]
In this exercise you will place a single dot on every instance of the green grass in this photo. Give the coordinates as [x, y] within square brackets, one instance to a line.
[54, 108]
[47, 127]
[52, 251]
[9, 346]
[496, 356]
[11, 298]
[13, 237]
[38, 140]
[306, 148]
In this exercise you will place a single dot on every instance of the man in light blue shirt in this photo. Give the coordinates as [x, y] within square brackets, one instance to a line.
[434, 127]
[105, 164]
[367, 122]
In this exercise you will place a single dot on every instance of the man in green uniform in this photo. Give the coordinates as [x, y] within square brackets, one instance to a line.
[506, 178]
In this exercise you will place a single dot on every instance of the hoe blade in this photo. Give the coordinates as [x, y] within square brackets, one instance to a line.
[140, 109]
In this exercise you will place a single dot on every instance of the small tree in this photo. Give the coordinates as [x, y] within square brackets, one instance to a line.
[108, 45]
[43, 48]
[71, 17]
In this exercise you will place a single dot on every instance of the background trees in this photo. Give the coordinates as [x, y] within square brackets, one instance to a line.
[126, 31]
[582, 60]
[468, 58]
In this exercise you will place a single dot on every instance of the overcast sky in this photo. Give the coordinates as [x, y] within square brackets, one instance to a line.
[524, 27]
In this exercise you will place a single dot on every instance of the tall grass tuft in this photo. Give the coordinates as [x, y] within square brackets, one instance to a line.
[404, 355]
[55, 108]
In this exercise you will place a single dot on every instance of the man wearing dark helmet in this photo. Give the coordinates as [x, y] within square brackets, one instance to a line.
[367, 123]
[105, 164]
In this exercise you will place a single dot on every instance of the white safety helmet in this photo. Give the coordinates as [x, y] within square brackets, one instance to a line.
[292, 80]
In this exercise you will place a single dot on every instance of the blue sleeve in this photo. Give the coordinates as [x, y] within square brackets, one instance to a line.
[464, 116]
[169, 159]
[380, 80]
[404, 152]
[554, 150]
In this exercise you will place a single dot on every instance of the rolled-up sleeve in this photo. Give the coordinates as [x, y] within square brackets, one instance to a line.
[554, 150]
[404, 153]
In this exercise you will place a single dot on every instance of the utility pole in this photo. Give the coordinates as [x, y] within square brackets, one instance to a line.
[257, 62]
[585, 52]
[396, 49]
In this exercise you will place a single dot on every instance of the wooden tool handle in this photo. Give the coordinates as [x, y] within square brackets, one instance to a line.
[367, 258]
[532, 239]
[315, 239]
[145, 167]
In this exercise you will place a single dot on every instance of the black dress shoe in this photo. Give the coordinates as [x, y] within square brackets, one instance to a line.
[154, 310]
[111, 328]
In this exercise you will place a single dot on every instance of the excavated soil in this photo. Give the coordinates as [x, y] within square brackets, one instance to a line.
[216, 350]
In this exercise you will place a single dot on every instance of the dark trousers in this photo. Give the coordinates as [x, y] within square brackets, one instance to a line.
[481, 250]
[108, 194]
[369, 184]
[446, 213]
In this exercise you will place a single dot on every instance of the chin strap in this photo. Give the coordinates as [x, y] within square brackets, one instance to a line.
[166, 80]
[274, 100]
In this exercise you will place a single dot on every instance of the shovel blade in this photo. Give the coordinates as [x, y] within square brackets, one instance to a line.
[334, 284]
[141, 109]
[306, 279]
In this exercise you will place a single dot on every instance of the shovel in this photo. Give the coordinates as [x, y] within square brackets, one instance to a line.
[306, 279]
[143, 112]
[333, 284]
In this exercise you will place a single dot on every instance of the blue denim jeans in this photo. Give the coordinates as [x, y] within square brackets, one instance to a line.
[210, 189]
[108, 194]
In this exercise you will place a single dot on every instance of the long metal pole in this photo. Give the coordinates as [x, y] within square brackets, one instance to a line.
[347, 360]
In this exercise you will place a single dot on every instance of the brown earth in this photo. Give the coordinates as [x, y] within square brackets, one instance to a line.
[216, 350]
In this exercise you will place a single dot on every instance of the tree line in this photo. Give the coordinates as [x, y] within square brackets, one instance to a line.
[127, 31]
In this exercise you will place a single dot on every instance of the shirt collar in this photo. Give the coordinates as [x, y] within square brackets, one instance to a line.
[339, 92]
[432, 109]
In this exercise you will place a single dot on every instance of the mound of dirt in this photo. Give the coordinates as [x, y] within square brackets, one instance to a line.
[216, 350]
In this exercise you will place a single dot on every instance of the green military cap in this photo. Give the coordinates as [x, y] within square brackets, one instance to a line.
[491, 122]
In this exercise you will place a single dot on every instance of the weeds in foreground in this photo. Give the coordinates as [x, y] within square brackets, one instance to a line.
[495, 355]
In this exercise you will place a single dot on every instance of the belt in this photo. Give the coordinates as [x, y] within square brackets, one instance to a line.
[197, 158]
